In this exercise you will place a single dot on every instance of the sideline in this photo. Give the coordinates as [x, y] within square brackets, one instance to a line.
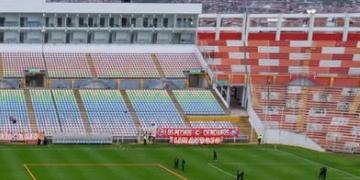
[165, 169]
[221, 170]
[29, 172]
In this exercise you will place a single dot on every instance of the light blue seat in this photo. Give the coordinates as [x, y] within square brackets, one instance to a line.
[13, 107]
[155, 107]
[68, 110]
[108, 112]
[45, 112]
[200, 102]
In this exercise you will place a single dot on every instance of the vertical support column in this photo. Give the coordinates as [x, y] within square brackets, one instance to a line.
[218, 26]
[118, 83]
[43, 27]
[196, 32]
[76, 23]
[245, 26]
[278, 28]
[228, 95]
[243, 96]
[175, 22]
[346, 27]
[65, 20]
[311, 27]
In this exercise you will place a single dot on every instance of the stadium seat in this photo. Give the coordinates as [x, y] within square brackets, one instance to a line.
[135, 65]
[155, 107]
[67, 65]
[68, 110]
[212, 124]
[198, 102]
[45, 112]
[15, 63]
[174, 64]
[108, 113]
[13, 112]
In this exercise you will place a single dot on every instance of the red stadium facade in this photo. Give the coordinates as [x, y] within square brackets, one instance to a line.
[302, 71]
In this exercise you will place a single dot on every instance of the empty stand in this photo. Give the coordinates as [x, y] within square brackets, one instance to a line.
[67, 65]
[174, 64]
[15, 63]
[108, 112]
[13, 111]
[69, 114]
[45, 112]
[212, 124]
[155, 108]
[125, 65]
[198, 102]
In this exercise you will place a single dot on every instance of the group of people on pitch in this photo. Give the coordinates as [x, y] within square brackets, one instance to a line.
[148, 138]
[176, 163]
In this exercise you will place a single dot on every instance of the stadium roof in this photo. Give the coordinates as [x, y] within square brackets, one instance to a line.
[40, 6]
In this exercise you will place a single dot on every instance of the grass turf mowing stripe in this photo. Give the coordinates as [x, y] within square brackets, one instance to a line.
[274, 165]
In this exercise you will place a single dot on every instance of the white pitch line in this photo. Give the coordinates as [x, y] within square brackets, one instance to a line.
[314, 162]
[221, 170]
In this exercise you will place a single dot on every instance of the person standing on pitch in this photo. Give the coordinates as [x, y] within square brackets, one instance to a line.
[176, 163]
[145, 139]
[239, 175]
[183, 165]
[323, 172]
[259, 138]
[215, 156]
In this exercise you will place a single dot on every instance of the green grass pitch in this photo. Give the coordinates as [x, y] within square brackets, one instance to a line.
[135, 162]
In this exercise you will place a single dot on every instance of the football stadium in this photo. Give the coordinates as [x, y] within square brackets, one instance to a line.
[96, 90]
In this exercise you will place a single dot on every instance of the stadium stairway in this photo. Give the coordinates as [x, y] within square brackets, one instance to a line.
[245, 128]
[83, 114]
[56, 111]
[91, 66]
[300, 123]
[131, 109]
[178, 106]
[30, 109]
[158, 66]
[220, 102]
[354, 106]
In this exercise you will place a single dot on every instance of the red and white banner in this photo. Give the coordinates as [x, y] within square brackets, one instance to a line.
[196, 140]
[197, 132]
[28, 138]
